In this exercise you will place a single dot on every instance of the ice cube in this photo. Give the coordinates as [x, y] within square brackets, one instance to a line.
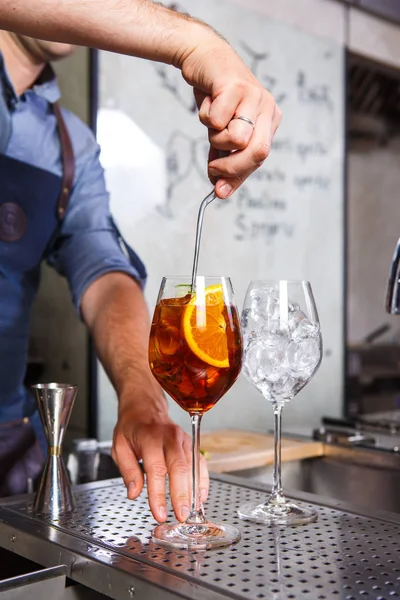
[265, 388]
[293, 306]
[213, 376]
[251, 361]
[306, 329]
[285, 388]
[196, 371]
[195, 367]
[264, 304]
[274, 337]
[263, 362]
[168, 339]
[171, 313]
[295, 317]
[250, 327]
[303, 356]
[270, 290]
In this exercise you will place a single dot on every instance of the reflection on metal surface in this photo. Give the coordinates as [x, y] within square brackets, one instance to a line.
[344, 554]
[47, 583]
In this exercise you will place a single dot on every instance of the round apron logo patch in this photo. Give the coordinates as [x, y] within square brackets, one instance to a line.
[12, 222]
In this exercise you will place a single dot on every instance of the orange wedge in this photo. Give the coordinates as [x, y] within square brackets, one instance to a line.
[204, 328]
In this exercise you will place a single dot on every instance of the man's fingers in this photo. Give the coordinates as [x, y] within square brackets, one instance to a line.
[225, 187]
[261, 134]
[128, 466]
[234, 169]
[156, 472]
[199, 97]
[224, 107]
[213, 154]
[276, 119]
[248, 146]
[234, 137]
[179, 469]
[164, 449]
[238, 132]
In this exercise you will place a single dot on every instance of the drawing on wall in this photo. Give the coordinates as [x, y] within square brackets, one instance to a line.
[183, 155]
[258, 64]
[171, 80]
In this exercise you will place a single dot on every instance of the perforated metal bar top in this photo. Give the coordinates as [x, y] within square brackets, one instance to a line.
[343, 555]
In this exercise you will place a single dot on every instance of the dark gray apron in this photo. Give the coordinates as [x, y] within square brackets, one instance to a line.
[33, 202]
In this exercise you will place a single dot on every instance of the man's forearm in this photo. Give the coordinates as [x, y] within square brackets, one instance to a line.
[115, 311]
[136, 27]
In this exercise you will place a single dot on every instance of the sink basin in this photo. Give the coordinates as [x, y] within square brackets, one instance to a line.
[366, 478]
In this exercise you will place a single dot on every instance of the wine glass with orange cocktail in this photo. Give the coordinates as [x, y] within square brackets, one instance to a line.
[195, 353]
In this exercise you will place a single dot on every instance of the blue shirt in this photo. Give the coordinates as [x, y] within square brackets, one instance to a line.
[88, 244]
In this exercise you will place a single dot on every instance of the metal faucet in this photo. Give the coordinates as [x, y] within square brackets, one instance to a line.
[393, 288]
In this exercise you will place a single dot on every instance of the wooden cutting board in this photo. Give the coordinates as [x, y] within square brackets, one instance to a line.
[233, 450]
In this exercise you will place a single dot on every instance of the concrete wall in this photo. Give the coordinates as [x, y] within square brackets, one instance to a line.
[57, 335]
[322, 18]
[360, 32]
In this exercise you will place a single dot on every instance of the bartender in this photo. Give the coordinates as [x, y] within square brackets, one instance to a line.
[54, 206]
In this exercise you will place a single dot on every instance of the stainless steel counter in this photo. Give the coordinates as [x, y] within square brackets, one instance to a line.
[106, 546]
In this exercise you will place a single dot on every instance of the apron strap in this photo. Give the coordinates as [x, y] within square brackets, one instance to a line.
[68, 161]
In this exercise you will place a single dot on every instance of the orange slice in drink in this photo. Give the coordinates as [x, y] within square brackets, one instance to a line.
[204, 327]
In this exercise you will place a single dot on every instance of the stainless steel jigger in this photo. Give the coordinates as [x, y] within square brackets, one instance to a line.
[55, 401]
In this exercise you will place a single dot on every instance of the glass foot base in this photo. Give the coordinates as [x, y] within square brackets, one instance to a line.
[286, 513]
[195, 537]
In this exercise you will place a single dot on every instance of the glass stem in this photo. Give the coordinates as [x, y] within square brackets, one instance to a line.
[196, 512]
[277, 496]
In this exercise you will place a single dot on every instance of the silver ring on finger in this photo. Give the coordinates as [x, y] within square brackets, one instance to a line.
[245, 119]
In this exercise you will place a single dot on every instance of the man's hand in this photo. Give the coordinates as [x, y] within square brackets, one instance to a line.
[165, 450]
[225, 89]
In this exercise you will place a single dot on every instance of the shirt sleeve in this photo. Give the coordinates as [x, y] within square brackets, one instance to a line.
[88, 243]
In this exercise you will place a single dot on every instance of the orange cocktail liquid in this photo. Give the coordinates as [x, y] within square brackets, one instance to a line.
[197, 379]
